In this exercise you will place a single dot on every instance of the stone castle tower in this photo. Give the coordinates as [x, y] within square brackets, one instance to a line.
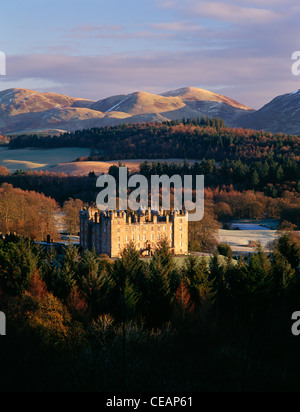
[110, 232]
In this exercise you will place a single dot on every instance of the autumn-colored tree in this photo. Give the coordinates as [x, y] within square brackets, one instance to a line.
[77, 305]
[3, 171]
[8, 208]
[28, 214]
[51, 321]
[223, 211]
[203, 234]
[286, 226]
[183, 306]
[71, 210]
[37, 287]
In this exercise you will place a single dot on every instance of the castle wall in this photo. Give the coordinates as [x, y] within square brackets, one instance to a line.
[110, 232]
[180, 234]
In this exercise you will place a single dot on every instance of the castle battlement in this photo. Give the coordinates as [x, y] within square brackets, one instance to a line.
[109, 232]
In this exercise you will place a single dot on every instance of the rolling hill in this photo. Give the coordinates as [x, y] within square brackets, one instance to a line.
[28, 111]
[281, 115]
[18, 101]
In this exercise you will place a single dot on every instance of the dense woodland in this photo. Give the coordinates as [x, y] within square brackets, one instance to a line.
[81, 322]
[191, 139]
[248, 174]
[227, 201]
[27, 213]
[247, 159]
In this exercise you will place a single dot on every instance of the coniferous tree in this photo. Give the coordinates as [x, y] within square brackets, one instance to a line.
[255, 181]
[217, 279]
[163, 282]
[282, 273]
[183, 305]
[129, 283]
[196, 277]
[17, 264]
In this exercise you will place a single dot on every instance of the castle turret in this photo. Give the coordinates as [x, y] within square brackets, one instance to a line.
[109, 232]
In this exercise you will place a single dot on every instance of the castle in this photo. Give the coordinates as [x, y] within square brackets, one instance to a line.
[110, 232]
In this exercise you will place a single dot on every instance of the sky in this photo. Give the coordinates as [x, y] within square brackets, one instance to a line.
[94, 48]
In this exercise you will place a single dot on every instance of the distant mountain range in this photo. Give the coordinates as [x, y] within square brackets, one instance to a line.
[28, 111]
[281, 115]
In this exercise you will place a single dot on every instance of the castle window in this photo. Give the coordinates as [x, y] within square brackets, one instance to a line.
[164, 227]
[119, 239]
[126, 238]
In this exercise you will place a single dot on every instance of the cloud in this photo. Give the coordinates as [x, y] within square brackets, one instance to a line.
[252, 81]
[85, 31]
[37, 84]
[236, 14]
[115, 35]
[249, 59]
[233, 11]
[239, 48]
[181, 26]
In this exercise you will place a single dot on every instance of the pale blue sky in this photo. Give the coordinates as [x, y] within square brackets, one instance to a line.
[97, 48]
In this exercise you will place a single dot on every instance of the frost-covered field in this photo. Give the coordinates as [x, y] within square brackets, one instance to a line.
[39, 159]
[84, 168]
[249, 235]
